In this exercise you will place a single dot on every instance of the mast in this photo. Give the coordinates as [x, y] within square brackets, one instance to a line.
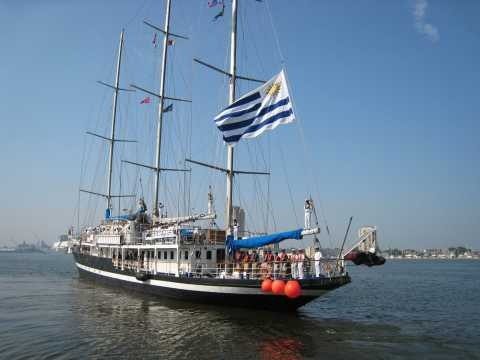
[160, 106]
[114, 116]
[233, 69]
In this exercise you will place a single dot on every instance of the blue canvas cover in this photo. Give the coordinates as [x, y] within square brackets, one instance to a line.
[258, 241]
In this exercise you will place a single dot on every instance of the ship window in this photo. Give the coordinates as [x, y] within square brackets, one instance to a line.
[165, 257]
[209, 255]
[198, 254]
[159, 255]
[186, 255]
[171, 255]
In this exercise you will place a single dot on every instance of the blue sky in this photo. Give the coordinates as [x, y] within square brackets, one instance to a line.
[386, 94]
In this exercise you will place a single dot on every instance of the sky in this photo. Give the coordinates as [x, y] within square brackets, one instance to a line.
[386, 98]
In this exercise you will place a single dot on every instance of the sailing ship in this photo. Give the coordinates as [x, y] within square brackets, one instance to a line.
[174, 257]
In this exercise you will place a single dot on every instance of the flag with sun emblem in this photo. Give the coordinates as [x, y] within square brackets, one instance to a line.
[256, 112]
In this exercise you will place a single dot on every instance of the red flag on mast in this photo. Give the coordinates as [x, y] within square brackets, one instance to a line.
[146, 100]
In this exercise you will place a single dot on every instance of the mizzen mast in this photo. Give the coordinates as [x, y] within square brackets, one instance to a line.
[232, 88]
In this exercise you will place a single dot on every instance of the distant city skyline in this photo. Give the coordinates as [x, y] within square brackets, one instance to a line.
[386, 94]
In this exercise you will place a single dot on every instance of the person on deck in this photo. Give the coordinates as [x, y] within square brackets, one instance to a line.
[269, 258]
[293, 264]
[246, 265]
[254, 261]
[317, 257]
[235, 229]
[238, 261]
[300, 264]
[276, 266]
[283, 263]
[308, 213]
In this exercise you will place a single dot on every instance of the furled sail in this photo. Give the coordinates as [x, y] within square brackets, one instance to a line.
[258, 241]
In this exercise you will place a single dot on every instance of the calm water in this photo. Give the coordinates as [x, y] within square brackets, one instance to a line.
[405, 309]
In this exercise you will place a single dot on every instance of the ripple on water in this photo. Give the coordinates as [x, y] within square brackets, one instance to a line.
[403, 310]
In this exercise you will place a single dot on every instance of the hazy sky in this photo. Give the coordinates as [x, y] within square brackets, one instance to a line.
[387, 93]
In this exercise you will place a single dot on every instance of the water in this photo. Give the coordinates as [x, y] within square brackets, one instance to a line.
[405, 309]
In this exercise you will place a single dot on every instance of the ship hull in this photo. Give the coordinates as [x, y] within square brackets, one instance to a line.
[214, 291]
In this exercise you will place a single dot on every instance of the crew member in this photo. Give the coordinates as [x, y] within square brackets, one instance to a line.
[246, 265]
[293, 264]
[276, 266]
[269, 258]
[317, 257]
[254, 261]
[308, 213]
[235, 229]
[300, 263]
[283, 263]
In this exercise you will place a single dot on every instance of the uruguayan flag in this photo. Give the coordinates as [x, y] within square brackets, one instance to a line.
[260, 110]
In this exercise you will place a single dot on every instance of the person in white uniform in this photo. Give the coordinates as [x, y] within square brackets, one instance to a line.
[235, 229]
[317, 257]
[301, 260]
[308, 213]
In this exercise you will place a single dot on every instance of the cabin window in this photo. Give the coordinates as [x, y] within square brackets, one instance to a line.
[171, 255]
[165, 255]
[198, 254]
[186, 255]
[159, 255]
[209, 255]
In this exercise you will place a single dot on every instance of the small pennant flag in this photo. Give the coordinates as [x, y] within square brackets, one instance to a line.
[146, 100]
[154, 41]
[213, 3]
[168, 108]
[220, 14]
[170, 42]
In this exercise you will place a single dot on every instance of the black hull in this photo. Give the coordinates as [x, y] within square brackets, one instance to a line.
[223, 292]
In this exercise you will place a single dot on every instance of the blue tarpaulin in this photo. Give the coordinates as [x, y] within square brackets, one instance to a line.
[258, 241]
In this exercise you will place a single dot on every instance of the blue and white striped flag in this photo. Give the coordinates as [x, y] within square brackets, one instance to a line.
[260, 110]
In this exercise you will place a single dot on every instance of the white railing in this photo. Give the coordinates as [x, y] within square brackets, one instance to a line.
[324, 268]
[275, 270]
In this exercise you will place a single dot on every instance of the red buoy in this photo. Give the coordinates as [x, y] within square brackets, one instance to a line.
[278, 286]
[267, 285]
[293, 289]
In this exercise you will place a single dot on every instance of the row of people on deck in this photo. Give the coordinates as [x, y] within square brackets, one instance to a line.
[276, 265]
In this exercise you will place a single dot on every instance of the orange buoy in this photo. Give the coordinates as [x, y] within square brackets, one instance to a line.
[293, 289]
[267, 285]
[278, 286]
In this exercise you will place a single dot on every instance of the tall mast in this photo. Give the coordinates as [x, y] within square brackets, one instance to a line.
[233, 69]
[114, 116]
[160, 106]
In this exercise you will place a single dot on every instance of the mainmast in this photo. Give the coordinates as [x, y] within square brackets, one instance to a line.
[160, 106]
[114, 116]
[233, 70]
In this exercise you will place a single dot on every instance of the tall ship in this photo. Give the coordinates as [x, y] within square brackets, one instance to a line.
[189, 256]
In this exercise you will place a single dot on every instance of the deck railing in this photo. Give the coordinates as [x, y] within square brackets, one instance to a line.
[307, 269]
[275, 270]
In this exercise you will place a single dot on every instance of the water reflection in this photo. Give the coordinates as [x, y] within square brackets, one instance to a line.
[120, 322]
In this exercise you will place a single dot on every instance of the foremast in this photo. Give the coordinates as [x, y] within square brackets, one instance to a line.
[114, 116]
[112, 139]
